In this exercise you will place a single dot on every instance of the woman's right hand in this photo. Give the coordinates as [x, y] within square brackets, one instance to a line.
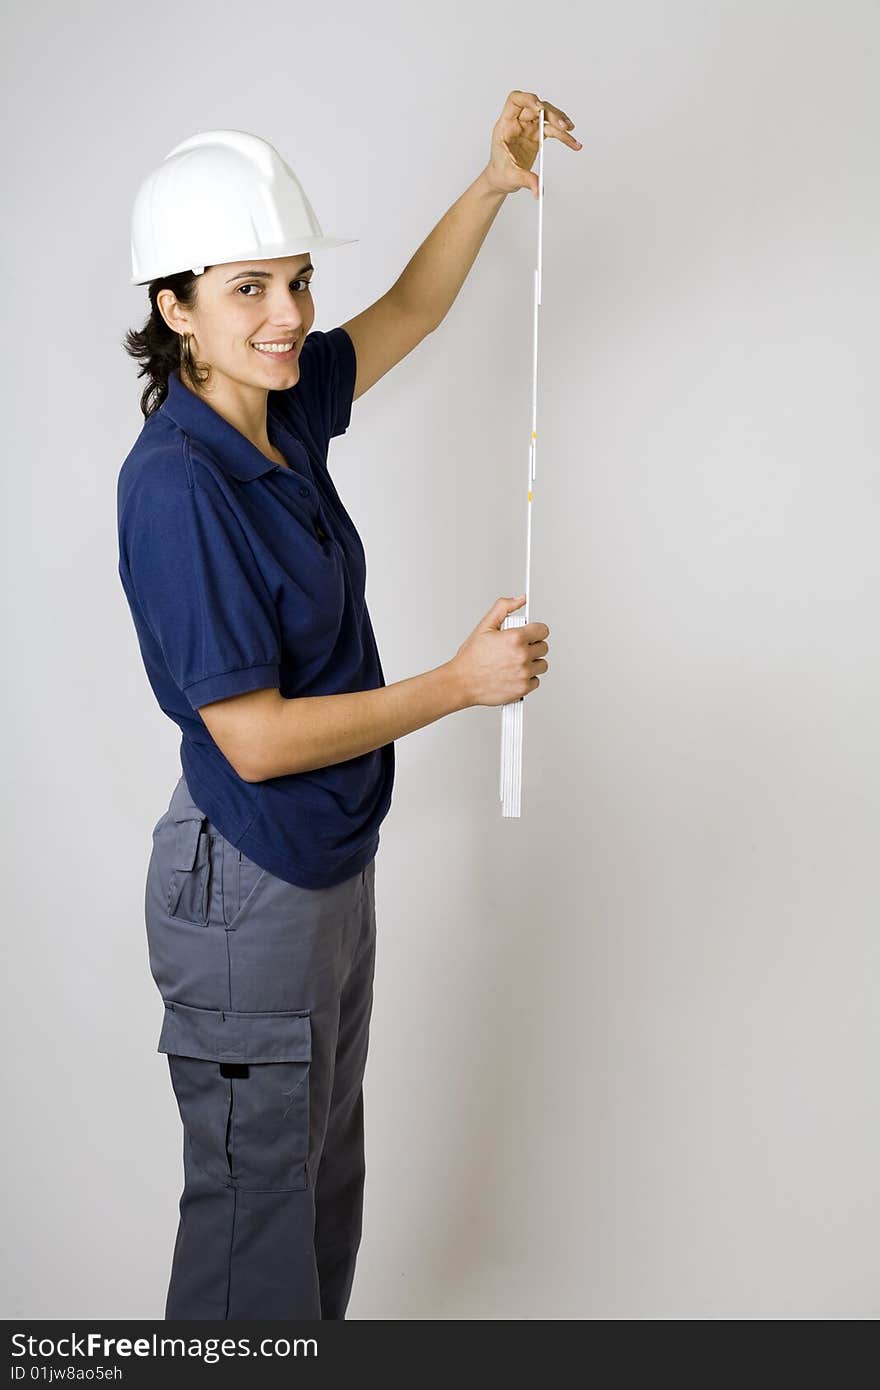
[497, 667]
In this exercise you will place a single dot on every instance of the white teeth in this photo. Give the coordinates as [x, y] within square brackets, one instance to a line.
[273, 347]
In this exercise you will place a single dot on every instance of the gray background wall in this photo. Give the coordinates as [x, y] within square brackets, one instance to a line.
[624, 1050]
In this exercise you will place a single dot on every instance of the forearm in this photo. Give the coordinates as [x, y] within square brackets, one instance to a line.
[319, 730]
[432, 279]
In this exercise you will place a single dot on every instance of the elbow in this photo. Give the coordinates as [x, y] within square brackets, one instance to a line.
[252, 765]
[248, 775]
[242, 758]
[243, 728]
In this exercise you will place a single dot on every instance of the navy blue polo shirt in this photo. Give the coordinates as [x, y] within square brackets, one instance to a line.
[242, 574]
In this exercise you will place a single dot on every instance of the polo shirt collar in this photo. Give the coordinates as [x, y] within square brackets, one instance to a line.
[233, 452]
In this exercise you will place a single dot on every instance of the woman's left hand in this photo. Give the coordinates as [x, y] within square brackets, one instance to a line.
[515, 141]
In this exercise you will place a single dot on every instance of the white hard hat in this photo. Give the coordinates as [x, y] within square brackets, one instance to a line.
[220, 196]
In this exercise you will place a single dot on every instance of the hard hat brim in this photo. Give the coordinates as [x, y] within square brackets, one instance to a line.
[297, 247]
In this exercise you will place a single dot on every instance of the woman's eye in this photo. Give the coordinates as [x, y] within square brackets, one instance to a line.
[253, 285]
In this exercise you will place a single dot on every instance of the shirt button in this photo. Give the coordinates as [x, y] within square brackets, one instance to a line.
[304, 492]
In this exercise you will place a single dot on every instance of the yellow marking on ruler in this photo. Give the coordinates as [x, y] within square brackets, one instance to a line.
[534, 434]
[530, 494]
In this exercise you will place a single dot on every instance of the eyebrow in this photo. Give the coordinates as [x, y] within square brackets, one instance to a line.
[267, 274]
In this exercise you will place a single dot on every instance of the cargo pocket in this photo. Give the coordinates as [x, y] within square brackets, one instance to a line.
[189, 882]
[242, 1087]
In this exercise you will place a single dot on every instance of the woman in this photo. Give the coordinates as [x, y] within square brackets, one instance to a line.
[245, 577]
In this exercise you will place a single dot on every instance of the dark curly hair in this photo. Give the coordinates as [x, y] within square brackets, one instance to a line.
[158, 347]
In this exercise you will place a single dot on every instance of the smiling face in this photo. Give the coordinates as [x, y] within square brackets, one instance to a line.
[250, 320]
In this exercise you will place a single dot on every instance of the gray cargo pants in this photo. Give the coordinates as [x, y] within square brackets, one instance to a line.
[268, 992]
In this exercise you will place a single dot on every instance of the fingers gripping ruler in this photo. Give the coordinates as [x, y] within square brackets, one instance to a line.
[512, 714]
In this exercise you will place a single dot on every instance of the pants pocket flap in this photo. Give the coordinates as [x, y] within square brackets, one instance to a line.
[223, 1035]
[186, 843]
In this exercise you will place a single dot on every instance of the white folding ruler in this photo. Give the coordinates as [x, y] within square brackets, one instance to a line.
[512, 714]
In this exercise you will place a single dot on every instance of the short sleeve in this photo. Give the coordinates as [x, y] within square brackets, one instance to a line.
[343, 377]
[194, 575]
[325, 390]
